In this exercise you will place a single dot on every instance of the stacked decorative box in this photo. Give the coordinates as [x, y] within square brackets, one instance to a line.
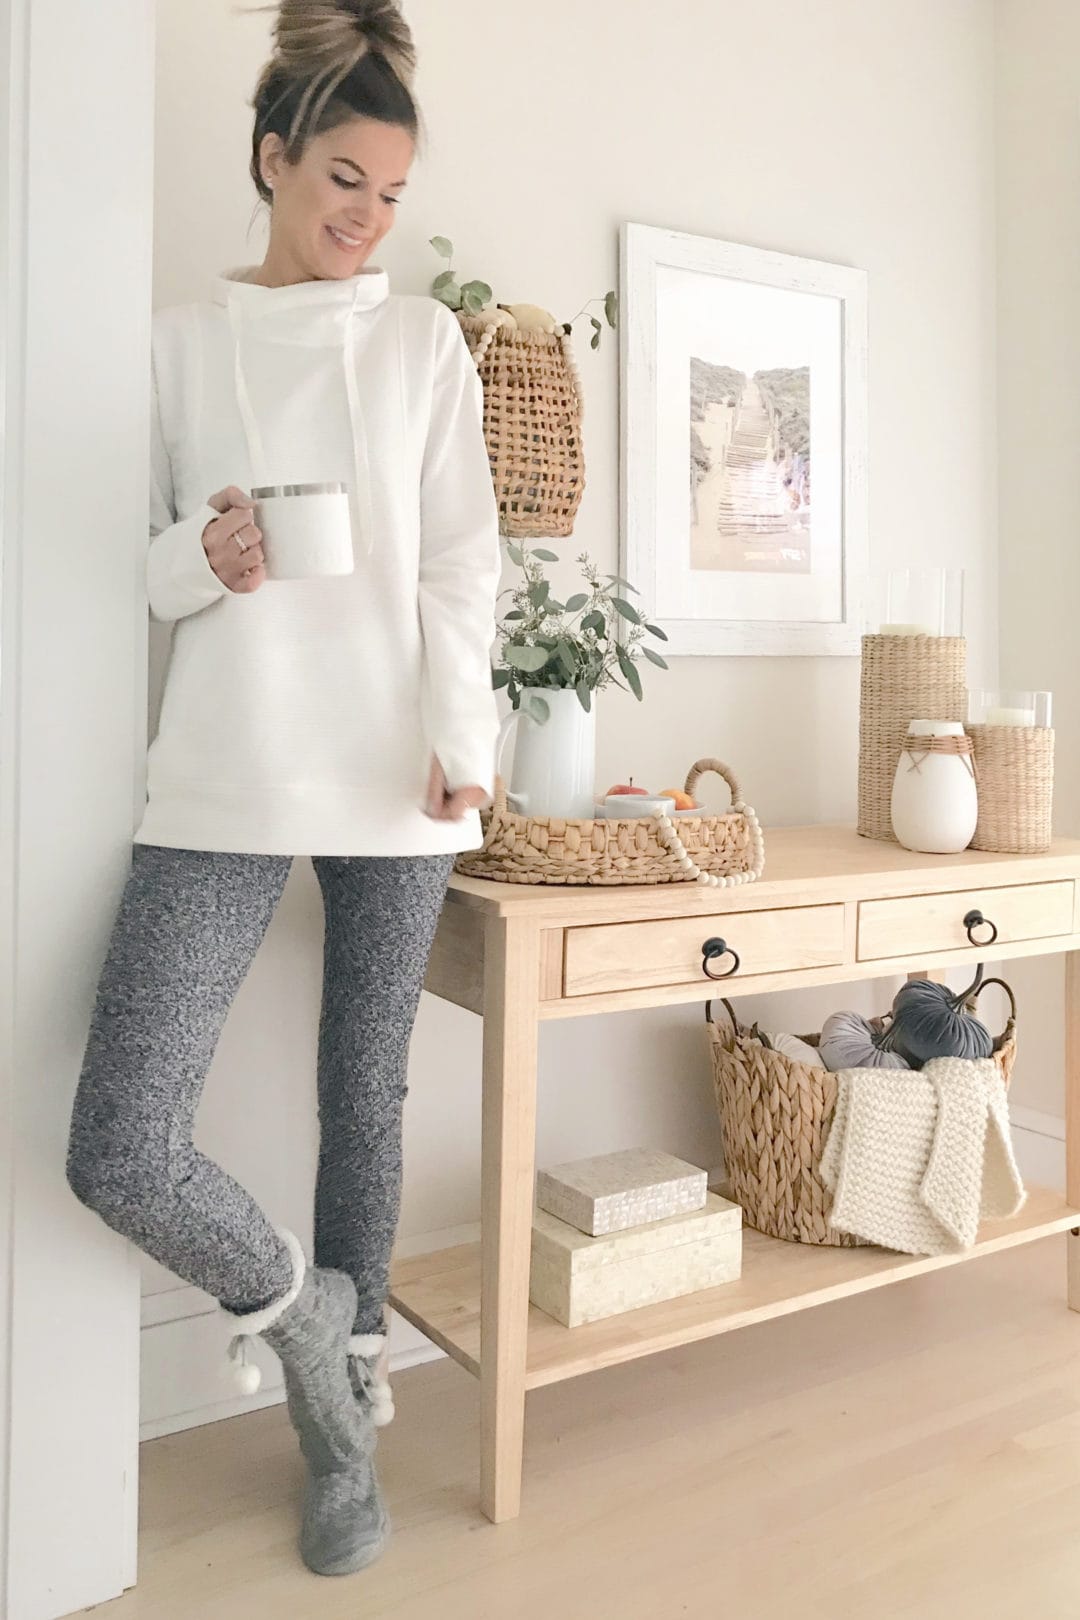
[627, 1229]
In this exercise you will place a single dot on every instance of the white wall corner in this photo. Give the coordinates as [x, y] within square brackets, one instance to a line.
[72, 649]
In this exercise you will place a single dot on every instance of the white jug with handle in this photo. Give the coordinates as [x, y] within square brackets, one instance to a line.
[554, 758]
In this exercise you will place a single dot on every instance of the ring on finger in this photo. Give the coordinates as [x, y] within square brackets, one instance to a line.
[238, 540]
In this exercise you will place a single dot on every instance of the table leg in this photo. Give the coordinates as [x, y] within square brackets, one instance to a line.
[508, 1151]
[1072, 1115]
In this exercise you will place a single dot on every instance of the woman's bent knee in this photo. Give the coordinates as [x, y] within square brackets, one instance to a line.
[121, 1191]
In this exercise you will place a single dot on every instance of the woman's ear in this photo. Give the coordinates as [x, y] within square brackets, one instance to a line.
[270, 159]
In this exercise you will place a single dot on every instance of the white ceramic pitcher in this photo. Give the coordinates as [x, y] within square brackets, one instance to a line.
[554, 766]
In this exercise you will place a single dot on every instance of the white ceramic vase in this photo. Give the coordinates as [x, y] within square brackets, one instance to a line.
[554, 765]
[935, 804]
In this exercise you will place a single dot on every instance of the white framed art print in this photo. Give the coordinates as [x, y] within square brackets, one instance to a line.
[743, 444]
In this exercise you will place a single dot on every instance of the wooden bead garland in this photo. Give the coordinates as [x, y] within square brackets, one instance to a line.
[716, 880]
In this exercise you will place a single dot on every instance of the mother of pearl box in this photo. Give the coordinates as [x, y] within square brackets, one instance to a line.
[628, 1229]
[576, 1278]
[616, 1190]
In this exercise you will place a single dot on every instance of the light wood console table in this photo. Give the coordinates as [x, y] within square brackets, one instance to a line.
[831, 908]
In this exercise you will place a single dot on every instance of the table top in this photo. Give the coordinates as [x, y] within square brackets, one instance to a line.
[802, 864]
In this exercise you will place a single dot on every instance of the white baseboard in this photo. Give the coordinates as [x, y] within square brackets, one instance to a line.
[185, 1371]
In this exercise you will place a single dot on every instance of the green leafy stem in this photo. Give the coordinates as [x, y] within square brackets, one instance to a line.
[471, 297]
[592, 640]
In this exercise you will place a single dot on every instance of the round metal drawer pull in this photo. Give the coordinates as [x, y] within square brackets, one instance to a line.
[716, 948]
[975, 919]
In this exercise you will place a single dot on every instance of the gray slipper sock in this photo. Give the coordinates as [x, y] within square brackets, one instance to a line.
[345, 1524]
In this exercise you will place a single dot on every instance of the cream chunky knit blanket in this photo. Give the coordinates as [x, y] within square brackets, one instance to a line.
[916, 1158]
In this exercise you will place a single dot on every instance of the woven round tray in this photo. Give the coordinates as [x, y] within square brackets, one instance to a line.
[774, 1117]
[721, 850]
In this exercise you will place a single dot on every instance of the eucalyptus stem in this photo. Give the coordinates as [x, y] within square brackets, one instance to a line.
[585, 643]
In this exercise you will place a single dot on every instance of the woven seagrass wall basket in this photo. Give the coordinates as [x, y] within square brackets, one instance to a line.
[532, 424]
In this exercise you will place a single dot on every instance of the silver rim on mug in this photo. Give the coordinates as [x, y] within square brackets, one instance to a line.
[267, 492]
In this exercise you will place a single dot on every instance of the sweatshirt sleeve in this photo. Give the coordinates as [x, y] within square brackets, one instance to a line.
[179, 578]
[460, 565]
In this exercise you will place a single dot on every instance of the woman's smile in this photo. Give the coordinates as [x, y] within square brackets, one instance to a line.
[349, 243]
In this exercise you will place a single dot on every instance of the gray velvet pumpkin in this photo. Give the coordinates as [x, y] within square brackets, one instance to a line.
[930, 1021]
[850, 1041]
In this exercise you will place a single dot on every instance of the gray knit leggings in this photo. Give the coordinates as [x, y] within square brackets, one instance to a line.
[188, 927]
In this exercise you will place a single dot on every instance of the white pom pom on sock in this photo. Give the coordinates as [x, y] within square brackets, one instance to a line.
[368, 1348]
[246, 1374]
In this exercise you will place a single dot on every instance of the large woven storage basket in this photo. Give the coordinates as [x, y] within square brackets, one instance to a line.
[727, 849]
[532, 424]
[774, 1117]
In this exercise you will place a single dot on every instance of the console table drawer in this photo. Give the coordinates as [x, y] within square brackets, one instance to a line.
[937, 922]
[635, 956]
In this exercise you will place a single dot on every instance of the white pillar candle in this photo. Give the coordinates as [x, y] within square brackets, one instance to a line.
[1010, 717]
[905, 630]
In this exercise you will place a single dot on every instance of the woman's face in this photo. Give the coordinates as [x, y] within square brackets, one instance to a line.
[333, 208]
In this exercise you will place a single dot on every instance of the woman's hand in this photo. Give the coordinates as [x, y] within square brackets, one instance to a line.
[239, 569]
[443, 805]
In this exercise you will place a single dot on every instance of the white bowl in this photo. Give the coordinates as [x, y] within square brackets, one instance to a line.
[624, 806]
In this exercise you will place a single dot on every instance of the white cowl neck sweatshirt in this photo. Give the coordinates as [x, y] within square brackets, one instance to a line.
[300, 718]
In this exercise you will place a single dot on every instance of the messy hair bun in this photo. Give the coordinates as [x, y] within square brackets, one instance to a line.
[333, 60]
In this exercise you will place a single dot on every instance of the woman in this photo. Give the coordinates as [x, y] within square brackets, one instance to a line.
[350, 719]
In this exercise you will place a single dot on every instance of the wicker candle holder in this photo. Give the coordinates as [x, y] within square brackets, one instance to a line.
[904, 678]
[1015, 769]
[533, 412]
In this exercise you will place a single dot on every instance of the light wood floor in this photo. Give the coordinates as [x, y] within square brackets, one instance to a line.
[912, 1454]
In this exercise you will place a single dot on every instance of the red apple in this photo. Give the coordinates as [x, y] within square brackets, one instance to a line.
[628, 787]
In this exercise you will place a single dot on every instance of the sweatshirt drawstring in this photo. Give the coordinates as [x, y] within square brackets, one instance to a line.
[361, 470]
[362, 494]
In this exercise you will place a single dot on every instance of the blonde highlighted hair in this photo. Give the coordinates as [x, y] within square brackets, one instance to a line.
[333, 60]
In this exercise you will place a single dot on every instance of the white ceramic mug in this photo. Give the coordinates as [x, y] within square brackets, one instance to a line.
[306, 530]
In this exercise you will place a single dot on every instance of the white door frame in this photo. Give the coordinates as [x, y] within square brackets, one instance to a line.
[76, 200]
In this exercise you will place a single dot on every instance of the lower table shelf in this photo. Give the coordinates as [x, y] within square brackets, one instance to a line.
[440, 1294]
